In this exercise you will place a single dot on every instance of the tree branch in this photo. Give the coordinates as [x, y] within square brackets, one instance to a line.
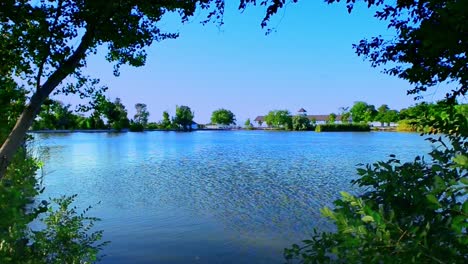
[48, 44]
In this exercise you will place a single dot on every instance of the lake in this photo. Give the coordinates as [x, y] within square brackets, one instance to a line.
[210, 196]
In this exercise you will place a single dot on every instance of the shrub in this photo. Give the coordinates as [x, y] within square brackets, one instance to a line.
[301, 123]
[342, 128]
[408, 126]
[136, 127]
[413, 212]
[153, 125]
[67, 236]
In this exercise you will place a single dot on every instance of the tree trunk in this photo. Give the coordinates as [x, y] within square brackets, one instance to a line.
[18, 133]
[24, 122]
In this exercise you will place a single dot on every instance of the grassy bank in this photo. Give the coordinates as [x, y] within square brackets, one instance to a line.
[342, 128]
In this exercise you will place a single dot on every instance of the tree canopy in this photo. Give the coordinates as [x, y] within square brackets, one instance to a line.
[184, 117]
[332, 118]
[386, 115]
[279, 119]
[223, 117]
[300, 122]
[362, 112]
[45, 44]
[142, 114]
[429, 47]
[166, 122]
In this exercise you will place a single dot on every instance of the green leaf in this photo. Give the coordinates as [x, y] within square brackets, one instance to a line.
[367, 219]
[326, 212]
[432, 199]
[439, 183]
[461, 160]
[347, 197]
[464, 181]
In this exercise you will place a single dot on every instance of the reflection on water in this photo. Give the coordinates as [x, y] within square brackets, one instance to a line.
[211, 197]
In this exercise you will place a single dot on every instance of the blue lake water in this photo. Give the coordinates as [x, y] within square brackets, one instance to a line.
[210, 196]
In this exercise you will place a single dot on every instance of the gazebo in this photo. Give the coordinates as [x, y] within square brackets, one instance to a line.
[302, 112]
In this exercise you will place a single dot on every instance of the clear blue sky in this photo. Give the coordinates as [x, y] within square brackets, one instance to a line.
[308, 62]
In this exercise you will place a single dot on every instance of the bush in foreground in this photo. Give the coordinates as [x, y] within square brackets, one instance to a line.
[67, 237]
[413, 212]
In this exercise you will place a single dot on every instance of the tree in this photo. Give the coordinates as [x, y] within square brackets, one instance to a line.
[46, 44]
[55, 115]
[142, 114]
[66, 235]
[248, 124]
[301, 123]
[95, 121]
[260, 123]
[184, 118]
[122, 120]
[383, 108]
[429, 47]
[345, 114]
[115, 113]
[279, 119]
[332, 118]
[462, 109]
[391, 116]
[386, 115]
[223, 117]
[166, 122]
[270, 119]
[362, 112]
[381, 113]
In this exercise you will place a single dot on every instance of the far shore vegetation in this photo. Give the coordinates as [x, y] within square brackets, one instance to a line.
[110, 115]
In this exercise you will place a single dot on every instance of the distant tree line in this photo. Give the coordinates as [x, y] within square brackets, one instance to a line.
[107, 114]
[360, 113]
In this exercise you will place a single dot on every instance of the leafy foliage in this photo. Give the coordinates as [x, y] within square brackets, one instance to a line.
[136, 127]
[166, 122]
[223, 117]
[386, 115]
[45, 44]
[345, 115]
[411, 117]
[16, 190]
[12, 102]
[331, 118]
[301, 123]
[142, 114]
[248, 124]
[430, 43]
[279, 119]
[115, 113]
[55, 115]
[66, 238]
[413, 212]
[362, 112]
[184, 118]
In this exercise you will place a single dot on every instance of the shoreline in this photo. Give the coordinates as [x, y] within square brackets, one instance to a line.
[62, 131]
